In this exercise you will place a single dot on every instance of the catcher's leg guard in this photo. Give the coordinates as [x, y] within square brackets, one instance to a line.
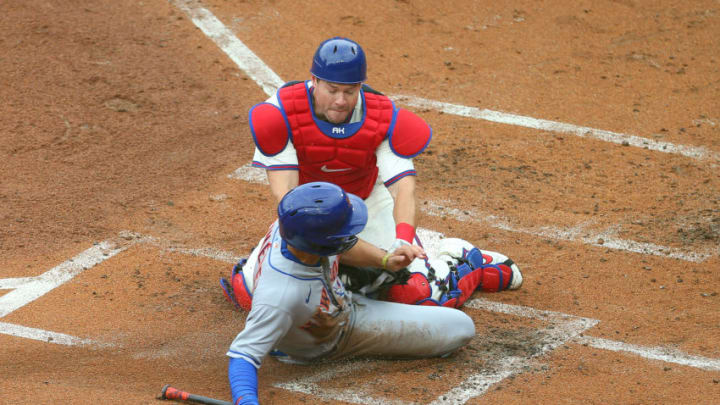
[501, 273]
[463, 281]
[236, 290]
[427, 285]
[495, 277]
[489, 277]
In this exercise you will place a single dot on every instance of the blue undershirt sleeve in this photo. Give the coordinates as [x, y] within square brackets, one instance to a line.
[243, 382]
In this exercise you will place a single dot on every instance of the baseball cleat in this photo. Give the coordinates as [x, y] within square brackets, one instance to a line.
[516, 279]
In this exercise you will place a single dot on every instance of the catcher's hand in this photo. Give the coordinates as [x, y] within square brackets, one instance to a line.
[403, 255]
[367, 280]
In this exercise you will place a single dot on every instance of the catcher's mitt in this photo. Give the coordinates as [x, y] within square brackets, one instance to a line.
[367, 280]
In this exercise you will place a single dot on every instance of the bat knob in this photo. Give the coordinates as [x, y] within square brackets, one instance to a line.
[164, 391]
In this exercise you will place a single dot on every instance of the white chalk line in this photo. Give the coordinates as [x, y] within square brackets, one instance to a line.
[166, 246]
[358, 395]
[561, 329]
[577, 234]
[27, 289]
[654, 353]
[269, 81]
[668, 355]
[224, 38]
[481, 382]
[12, 283]
[45, 335]
[695, 152]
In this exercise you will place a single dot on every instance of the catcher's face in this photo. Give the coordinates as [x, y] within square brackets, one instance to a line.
[334, 102]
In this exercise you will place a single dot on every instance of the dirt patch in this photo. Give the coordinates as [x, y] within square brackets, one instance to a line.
[126, 118]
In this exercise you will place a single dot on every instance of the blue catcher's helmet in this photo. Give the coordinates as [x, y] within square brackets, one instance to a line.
[320, 218]
[339, 60]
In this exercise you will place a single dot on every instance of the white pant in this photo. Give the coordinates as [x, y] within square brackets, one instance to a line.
[392, 330]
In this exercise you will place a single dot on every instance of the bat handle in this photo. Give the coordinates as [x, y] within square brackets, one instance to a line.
[169, 392]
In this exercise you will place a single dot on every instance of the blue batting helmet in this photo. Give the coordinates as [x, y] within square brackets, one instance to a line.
[320, 218]
[339, 60]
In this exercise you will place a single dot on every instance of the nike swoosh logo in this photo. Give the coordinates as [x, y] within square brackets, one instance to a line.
[308, 297]
[326, 170]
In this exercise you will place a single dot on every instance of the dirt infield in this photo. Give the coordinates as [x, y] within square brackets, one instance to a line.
[582, 139]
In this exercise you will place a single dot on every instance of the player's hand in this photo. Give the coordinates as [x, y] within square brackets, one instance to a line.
[403, 256]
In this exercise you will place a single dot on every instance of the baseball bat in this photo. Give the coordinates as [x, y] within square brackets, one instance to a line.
[169, 392]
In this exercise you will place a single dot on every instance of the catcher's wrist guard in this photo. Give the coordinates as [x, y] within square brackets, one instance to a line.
[405, 232]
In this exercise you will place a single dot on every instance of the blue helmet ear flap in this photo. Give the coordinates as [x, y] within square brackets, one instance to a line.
[321, 218]
[340, 60]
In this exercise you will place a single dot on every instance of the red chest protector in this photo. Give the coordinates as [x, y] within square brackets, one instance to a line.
[343, 154]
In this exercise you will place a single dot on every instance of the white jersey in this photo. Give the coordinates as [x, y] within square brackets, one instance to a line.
[391, 167]
[286, 295]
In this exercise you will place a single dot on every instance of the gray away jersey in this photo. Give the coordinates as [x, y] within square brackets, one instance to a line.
[286, 296]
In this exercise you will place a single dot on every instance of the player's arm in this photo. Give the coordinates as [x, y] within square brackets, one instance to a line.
[243, 381]
[264, 327]
[365, 254]
[408, 138]
[403, 192]
[282, 181]
[399, 176]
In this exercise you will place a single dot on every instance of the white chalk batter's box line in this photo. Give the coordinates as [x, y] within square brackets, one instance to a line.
[269, 81]
[606, 239]
[562, 328]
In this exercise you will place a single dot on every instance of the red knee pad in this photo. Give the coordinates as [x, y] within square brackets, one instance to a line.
[416, 289]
